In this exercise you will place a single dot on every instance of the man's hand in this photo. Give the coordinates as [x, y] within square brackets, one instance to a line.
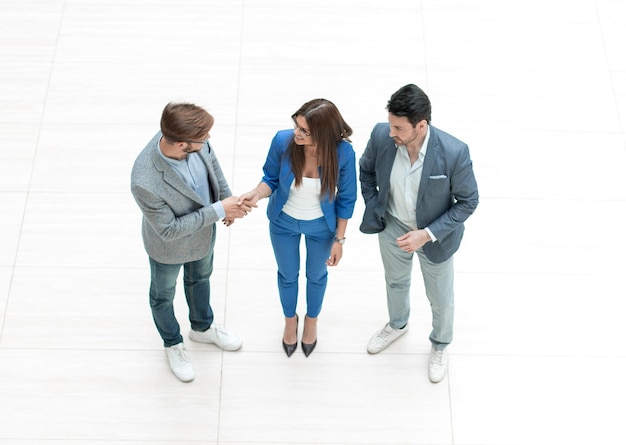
[233, 209]
[413, 240]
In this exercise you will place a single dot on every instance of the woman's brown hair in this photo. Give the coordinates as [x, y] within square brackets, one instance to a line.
[327, 129]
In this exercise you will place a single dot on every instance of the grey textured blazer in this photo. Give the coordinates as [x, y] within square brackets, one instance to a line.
[448, 193]
[177, 227]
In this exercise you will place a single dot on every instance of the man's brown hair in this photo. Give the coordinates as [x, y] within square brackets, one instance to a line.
[184, 122]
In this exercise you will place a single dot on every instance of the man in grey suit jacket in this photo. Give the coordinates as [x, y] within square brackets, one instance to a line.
[180, 188]
[419, 187]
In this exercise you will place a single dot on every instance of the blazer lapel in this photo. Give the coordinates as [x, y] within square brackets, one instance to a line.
[388, 156]
[429, 162]
[213, 185]
[172, 178]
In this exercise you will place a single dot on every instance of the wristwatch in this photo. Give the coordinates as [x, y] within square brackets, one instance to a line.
[340, 240]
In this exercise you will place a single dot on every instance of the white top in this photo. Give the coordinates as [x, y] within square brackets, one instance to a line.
[304, 201]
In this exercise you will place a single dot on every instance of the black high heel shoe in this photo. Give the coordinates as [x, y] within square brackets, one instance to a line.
[289, 349]
[307, 348]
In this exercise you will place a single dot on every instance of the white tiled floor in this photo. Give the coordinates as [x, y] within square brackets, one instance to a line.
[536, 88]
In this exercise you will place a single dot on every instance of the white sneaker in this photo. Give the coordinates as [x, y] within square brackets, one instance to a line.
[383, 338]
[217, 336]
[438, 365]
[179, 362]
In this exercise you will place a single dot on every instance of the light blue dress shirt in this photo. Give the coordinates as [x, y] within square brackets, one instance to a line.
[404, 185]
[193, 171]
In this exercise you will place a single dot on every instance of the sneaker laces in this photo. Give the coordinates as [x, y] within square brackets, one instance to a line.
[437, 358]
[383, 336]
[180, 355]
[220, 334]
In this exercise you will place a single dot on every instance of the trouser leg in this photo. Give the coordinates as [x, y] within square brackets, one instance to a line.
[398, 265]
[162, 290]
[197, 284]
[439, 286]
[318, 241]
[285, 238]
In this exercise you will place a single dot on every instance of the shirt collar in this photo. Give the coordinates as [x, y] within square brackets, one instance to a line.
[422, 152]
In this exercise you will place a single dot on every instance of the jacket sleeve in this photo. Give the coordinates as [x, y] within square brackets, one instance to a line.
[162, 219]
[373, 216]
[271, 168]
[346, 187]
[367, 170]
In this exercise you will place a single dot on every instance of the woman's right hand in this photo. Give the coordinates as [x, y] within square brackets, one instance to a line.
[251, 198]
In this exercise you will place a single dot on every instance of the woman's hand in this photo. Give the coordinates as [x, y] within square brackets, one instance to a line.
[336, 252]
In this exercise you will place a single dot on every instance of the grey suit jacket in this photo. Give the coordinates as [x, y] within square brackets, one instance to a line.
[177, 227]
[448, 193]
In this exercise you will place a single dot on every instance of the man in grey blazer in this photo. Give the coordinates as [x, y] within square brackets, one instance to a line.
[179, 186]
[419, 187]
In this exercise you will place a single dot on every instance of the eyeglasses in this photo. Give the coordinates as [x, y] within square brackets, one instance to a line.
[302, 131]
[198, 142]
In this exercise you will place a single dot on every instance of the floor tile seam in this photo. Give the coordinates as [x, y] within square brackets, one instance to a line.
[536, 356]
[234, 156]
[32, 169]
[156, 349]
[543, 198]
[217, 351]
[14, 191]
[611, 72]
[617, 274]
[96, 266]
[231, 181]
[86, 192]
[340, 353]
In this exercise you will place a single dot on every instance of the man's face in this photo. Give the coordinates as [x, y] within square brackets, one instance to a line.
[195, 146]
[192, 147]
[402, 131]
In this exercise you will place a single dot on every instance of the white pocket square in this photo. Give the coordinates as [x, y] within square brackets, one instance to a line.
[438, 177]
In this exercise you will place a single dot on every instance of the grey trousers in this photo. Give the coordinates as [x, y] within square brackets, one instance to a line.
[438, 283]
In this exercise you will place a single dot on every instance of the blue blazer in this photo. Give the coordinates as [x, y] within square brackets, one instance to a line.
[448, 193]
[279, 177]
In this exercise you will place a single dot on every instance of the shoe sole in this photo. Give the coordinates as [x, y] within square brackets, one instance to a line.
[437, 381]
[184, 380]
[209, 342]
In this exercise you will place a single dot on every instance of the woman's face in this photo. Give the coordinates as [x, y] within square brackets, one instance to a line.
[301, 132]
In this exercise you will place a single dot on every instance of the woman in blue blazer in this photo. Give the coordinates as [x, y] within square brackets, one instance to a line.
[310, 179]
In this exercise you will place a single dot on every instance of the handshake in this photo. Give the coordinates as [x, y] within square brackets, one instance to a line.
[239, 206]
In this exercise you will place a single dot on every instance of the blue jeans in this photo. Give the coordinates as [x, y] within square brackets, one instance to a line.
[197, 291]
[438, 283]
[285, 234]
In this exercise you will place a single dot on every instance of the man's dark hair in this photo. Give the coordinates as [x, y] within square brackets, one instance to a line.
[411, 102]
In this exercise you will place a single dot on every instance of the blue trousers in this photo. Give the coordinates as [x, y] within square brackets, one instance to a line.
[285, 234]
[197, 286]
[438, 283]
